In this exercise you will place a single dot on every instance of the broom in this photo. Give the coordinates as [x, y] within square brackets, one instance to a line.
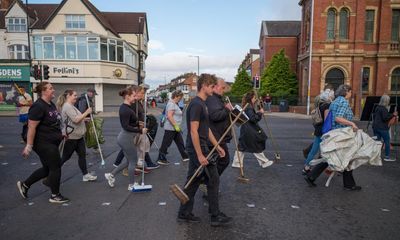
[142, 187]
[95, 132]
[176, 190]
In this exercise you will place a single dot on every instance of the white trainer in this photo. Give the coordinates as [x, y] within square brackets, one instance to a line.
[130, 187]
[388, 159]
[267, 164]
[89, 178]
[185, 159]
[110, 178]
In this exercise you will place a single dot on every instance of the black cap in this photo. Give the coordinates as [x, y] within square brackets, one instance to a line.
[92, 90]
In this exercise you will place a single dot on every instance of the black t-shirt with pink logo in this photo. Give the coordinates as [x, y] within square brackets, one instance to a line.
[49, 128]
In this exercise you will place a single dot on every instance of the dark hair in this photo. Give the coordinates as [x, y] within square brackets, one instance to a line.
[129, 90]
[206, 79]
[247, 98]
[328, 86]
[342, 90]
[176, 93]
[41, 87]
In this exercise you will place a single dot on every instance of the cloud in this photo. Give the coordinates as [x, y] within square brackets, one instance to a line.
[172, 64]
[156, 45]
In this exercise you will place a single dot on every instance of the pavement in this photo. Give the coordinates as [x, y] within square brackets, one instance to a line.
[276, 203]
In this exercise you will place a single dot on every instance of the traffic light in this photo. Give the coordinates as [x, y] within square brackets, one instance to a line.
[36, 72]
[256, 82]
[45, 72]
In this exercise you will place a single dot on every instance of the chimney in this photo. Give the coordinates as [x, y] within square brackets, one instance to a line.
[5, 4]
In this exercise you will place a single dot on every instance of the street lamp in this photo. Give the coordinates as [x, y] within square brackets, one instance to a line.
[198, 63]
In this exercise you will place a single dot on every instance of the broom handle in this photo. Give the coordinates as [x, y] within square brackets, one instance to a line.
[95, 131]
[237, 150]
[215, 146]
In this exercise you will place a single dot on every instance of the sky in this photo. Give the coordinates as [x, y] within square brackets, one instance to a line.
[220, 32]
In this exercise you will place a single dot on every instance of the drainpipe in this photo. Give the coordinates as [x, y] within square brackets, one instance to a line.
[310, 58]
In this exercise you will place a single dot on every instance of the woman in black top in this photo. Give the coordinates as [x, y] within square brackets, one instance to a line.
[380, 124]
[44, 137]
[130, 129]
[252, 137]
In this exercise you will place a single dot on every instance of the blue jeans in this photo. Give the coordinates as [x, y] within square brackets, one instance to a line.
[314, 150]
[386, 139]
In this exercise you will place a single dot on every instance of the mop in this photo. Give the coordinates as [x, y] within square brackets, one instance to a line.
[142, 187]
[95, 132]
[176, 190]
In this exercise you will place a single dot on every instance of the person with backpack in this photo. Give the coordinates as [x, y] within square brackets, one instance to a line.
[380, 125]
[173, 131]
[341, 117]
[318, 115]
[72, 117]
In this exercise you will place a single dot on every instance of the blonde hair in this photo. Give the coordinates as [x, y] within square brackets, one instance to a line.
[63, 98]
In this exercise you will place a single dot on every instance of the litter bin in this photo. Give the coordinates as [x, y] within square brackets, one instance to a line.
[283, 106]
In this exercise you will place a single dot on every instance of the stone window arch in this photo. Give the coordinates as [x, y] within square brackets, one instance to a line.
[335, 76]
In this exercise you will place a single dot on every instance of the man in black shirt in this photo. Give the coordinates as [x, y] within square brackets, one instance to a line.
[197, 147]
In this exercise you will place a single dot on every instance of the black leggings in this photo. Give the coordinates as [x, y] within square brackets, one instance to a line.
[50, 158]
[78, 146]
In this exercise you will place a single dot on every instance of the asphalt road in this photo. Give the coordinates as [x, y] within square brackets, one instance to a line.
[275, 204]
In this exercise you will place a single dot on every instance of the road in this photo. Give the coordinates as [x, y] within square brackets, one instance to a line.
[275, 204]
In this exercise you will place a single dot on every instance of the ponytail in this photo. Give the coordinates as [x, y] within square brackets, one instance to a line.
[63, 98]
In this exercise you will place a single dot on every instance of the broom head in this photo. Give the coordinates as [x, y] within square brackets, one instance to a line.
[142, 188]
[181, 195]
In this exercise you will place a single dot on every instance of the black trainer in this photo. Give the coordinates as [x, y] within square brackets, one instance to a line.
[353, 188]
[190, 218]
[220, 220]
[23, 189]
[310, 181]
[163, 162]
[58, 198]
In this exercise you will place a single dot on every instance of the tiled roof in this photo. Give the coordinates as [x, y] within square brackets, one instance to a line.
[115, 22]
[281, 28]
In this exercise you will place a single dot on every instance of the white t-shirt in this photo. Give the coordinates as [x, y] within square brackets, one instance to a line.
[172, 106]
[23, 100]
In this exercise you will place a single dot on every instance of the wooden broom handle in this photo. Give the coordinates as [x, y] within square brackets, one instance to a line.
[215, 146]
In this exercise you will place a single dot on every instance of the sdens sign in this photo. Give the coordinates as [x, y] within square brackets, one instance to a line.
[10, 73]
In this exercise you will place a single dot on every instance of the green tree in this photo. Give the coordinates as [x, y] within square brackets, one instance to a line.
[242, 84]
[278, 79]
[164, 96]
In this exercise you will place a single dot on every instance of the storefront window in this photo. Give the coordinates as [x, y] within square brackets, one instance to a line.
[48, 47]
[82, 48]
[60, 47]
[71, 47]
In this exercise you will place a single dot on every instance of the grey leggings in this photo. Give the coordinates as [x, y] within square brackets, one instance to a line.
[125, 141]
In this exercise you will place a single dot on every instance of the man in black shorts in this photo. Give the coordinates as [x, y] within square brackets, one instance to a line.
[197, 148]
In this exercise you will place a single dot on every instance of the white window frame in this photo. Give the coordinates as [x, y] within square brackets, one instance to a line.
[21, 26]
[13, 51]
[78, 19]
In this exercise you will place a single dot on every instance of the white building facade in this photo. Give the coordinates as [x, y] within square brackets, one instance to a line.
[83, 47]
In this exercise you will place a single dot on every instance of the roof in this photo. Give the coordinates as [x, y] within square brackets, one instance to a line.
[281, 28]
[115, 22]
[254, 51]
[126, 22]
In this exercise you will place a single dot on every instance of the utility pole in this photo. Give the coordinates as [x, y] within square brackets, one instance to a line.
[198, 63]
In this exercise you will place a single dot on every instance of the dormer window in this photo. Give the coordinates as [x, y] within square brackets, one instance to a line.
[16, 25]
[75, 22]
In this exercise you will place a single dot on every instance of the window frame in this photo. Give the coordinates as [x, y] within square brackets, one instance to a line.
[331, 19]
[13, 51]
[75, 22]
[20, 25]
[369, 36]
[395, 37]
[398, 80]
[370, 78]
[344, 22]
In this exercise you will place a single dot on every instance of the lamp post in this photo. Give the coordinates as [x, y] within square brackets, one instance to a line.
[198, 63]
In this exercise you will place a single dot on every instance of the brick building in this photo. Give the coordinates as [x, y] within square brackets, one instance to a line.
[354, 42]
[274, 36]
[252, 63]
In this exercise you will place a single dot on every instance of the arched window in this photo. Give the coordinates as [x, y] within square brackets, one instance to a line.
[335, 76]
[395, 80]
[344, 24]
[330, 24]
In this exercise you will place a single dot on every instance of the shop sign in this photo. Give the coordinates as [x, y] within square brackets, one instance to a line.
[14, 73]
[9, 94]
